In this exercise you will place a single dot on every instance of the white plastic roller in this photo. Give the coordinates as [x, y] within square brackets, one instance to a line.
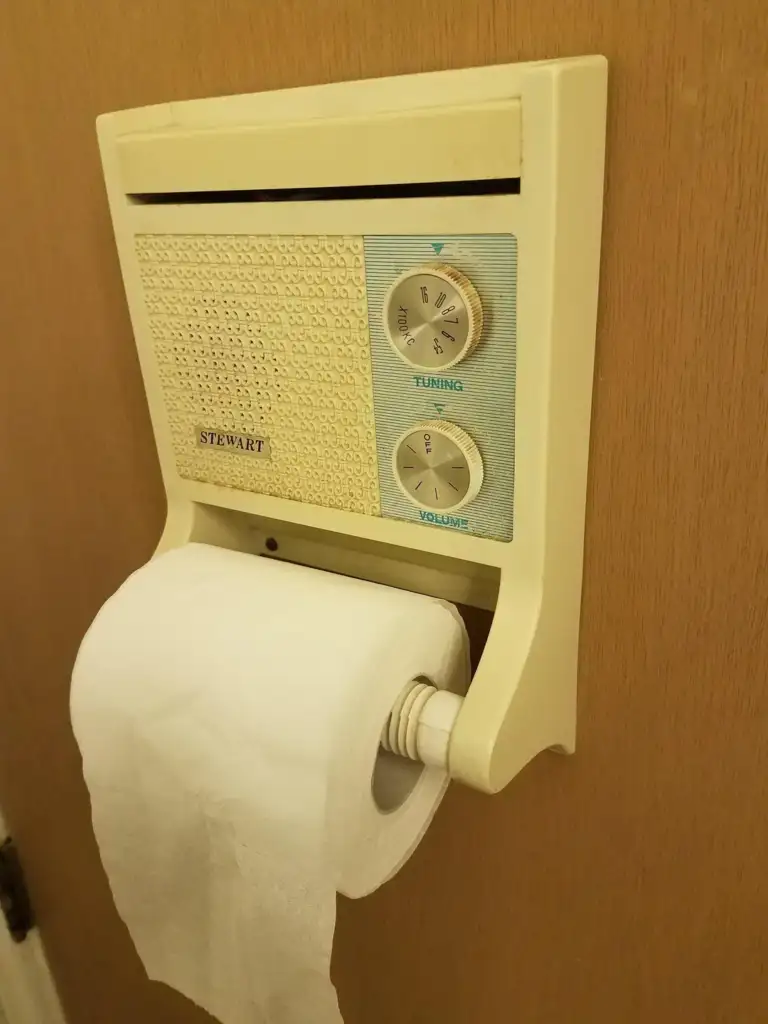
[421, 722]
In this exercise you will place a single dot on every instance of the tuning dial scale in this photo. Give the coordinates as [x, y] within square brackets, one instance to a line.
[433, 316]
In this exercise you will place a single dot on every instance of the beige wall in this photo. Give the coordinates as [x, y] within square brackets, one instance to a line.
[624, 885]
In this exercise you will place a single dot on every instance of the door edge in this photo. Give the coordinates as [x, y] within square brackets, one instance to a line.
[27, 990]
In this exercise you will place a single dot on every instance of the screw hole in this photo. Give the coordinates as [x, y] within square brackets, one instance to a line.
[271, 544]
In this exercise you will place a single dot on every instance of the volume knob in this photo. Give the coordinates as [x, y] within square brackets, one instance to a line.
[433, 316]
[437, 466]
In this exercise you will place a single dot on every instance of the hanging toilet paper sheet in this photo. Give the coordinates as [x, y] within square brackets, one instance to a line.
[228, 709]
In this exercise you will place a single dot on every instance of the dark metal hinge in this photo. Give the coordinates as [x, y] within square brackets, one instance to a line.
[14, 897]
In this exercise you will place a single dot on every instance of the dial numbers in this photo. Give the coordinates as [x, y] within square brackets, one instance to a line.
[433, 316]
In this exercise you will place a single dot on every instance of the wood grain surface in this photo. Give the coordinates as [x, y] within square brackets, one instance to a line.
[623, 886]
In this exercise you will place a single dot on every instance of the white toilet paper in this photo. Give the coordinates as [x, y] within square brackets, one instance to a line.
[228, 709]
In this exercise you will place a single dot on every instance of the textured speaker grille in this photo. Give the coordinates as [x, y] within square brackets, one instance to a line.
[266, 337]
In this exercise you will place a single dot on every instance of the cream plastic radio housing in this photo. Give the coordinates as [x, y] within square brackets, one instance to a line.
[542, 124]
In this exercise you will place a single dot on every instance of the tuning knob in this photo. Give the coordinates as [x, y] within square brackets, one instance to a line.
[437, 465]
[433, 316]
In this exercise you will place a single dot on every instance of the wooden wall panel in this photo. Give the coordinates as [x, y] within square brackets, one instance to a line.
[624, 885]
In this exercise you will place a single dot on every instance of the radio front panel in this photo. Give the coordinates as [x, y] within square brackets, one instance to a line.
[369, 373]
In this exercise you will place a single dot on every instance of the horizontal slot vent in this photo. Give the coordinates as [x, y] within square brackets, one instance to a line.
[413, 190]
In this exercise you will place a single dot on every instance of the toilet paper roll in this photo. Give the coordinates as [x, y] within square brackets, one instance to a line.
[228, 709]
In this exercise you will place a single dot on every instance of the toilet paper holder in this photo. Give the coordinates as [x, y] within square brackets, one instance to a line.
[365, 317]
